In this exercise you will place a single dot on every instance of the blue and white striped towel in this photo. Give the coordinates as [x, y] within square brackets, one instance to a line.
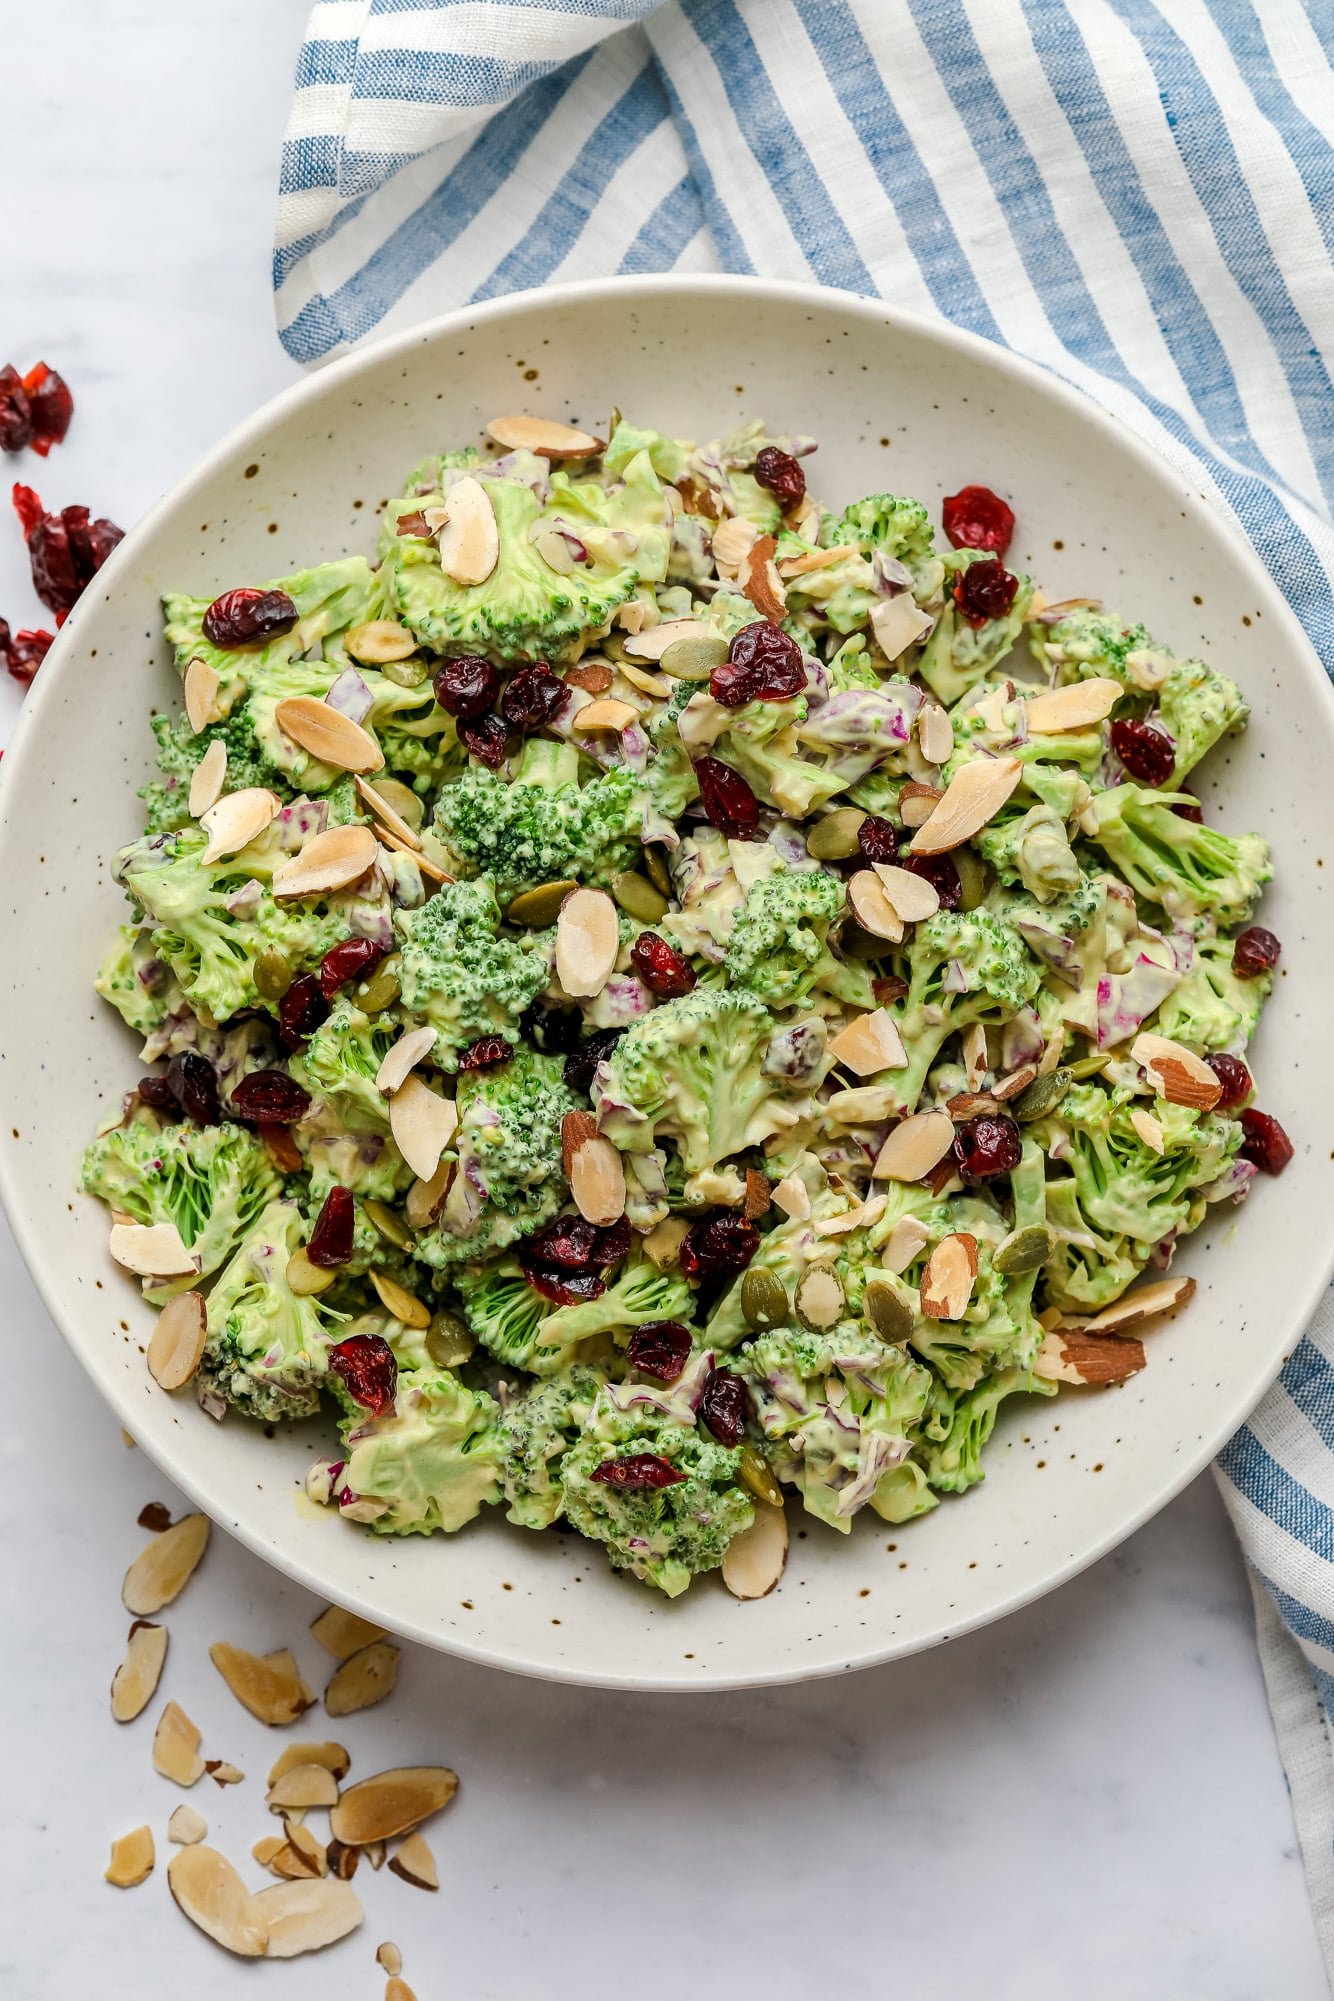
[1138, 194]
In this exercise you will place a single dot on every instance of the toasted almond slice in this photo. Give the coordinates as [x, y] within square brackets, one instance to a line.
[371, 796]
[344, 1633]
[135, 1681]
[859, 1217]
[426, 1199]
[758, 1198]
[223, 1773]
[165, 1566]
[1073, 1355]
[365, 1678]
[812, 559]
[398, 1990]
[754, 1560]
[343, 1861]
[575, 1128]
[414, 1862]
[402, 1059]
[597, 1182]
[396, 1300]
[176, 1747]
[869, 1043]
[544, 436]
[898, 623]
[867, 1105]
[333, 1757]
[947, 1277]
[918, 802]
[470, 539]
[380, 641]
[1149, 1129]
[871, 906]
[914, 1147]
[662, 1245]
[593, 676]
[973, 796]
[1077, 707]
[150, 1250]
[301, 1787]
[200, 687]
[266, 1848]
[1176, 1073]
[186, 1826]
[971, 1104]
[911, 897]
[975, 1059]
[304, 1916]
[647, 683]
[308, 1848]
[328, 734]
[905, 1244]
[388, 1957]
[732, 540]
[208, 778]
[760, 582]
[792, 1196]
[391, 844]
[1016, 1083]
[293, 1864]
[328, 861]
[651, 645]
[212, 1896]
[237, 819]
[935, 733]
[588, 939]
[1141, 1304]
[268, 1685]
[554, 550]
[606, 715]
[375, 1852]
[392, 1802]
[177, 1345]
[422, 1123]
[132, 1858]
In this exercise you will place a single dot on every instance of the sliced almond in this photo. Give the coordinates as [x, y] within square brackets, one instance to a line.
[597, 1182]
[300, 1858]
[898, 623]
[213, 1897]
[177, 1344]
[426, 1199]
[976, 1062]
[343, 1633]
[1149, 1129]
[651, 645]
[132, 1858]
[333, 1757]
[1077, 707]
[208, 778]
[754, 1560]
[343, 1861]
[328, 734]
[588, 939]
[905, 1244]
[302, 1787]
[165, 1566]
[394, 823]
[328, 861]
[554, 550]
[176, 1747]
[859, 1217]
[392, 1802]
[758, 1197]
[606, 715]
[267, 1847]
[868, 1105]
[1141, 1304]
[396, 1300]
[365, 1678]
[186, 1826]
[402, 1059]
[911, 896]
[391, 843]
[792, 1196]
[971, 1105]
[414, 1862]
[732, 539]
[200, 686]
[662, 1245]
[871, 906]
[268, 1685]
[375, 1852]
[135, 1681]
[150, 1250]
[812, 559]
[223, 1773]
[759, 580]
[422, 1123]
[935, 733]
[917, 802]
[388, 1957]
[914, 1147]
[593, 676]
[575, 1129]
[973, 796]
[380, 641]
[237, 819]
[648, 684]
[1016, 1083]
[398, 1990]
[869, 1043]
[1176, 1073]
[543, 436]
[305, 1916]
[470, 539]
[1072, 1355]
[947, 1277]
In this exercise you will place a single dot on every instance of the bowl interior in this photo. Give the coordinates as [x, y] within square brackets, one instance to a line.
[896, 405]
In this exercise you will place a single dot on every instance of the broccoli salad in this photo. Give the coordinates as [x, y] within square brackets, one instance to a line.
[659, 997]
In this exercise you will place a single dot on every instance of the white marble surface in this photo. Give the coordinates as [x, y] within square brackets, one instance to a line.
[1086, 1799]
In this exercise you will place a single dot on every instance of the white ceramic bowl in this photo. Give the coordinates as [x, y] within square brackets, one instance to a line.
[896, 403]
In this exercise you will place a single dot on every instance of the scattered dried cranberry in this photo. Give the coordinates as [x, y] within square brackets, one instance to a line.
[553, 1030]
[569, 1242]
[467, 687]
[486, 738]
[562, 1288]
[301, 1010]
[730, 804]
[1235, 1079]
[888, 989]
[331, 1239]
[269, 1098]
[157, 1093]
[1148, 754]
[660, 1348]
[719, 1246]
[985, 1147]
[248, 616]
[725, 1406]
[612, 1245]
[581, 1065]
[365, 1365]
[780, 473]
[985, 590]
[941, 873]
[193, 1082]
[65, 550]
[51, 405]
[1265, 1142]
[281, 1148]
[23, 652]
[486, 1053]
[15, 411]
[977, 518]
[347, 961]
[636, 1472]
[878, 839]
[1254, 952]
[532, 697]
[1189, 809]
[763, 664]
[661, 967]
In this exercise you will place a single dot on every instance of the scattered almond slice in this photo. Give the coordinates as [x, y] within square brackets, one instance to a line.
[1017, 1082]
[379, 642]
[648, 684]
[150, 1250]
[302, 1854]
[662, 1245]
[1073, 1355]
[365, 1677]
[402, 1059]
[867, 1105]
[911, 897]
[304, 1916]
[975, 1059]
[371, 796]
[732, 539]
[199, 687]
[606, 715]
[343, 1861]
[414, 1862]
[651, 645]
[1078, 707]
[208, 778]
[135, 1681]
[421, 1121]
[375, 1852]
[575, 1129]
[213, 1897]
[302, 1787]
[402, 1305]
[588, 940]
[177, 1345]
[971, 1105]
[905, 1244]
[165, 1566]
[398, 1990]
[1141, 1304]
[1176, 1073]
[186, 1826]
[332, 1756]
[268, 1685]
[935, 733]
[388, 1957]
[543, 436]
[792, 1196]
[328, 861]
[391, 1802]
[948, 1276]
[237, 819]
[593, 676]
[470, 539]
[426, 1199]
[859, 1217]
[222, 1773]
[917, 802]
[898, 623]
[344, 1633]
[871, 906]
[176, 1747]
[391, 844]
[754, 1560]
[597, 1181]
[914, 1147]
[973, 796]
[267, 1847]
[869, 1043]
[759, 580]
[1149, 1129]
[758, 1198]
[810, 559]
[132, 1858]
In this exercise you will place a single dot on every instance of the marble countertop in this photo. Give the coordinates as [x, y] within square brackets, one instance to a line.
[1085, 1798]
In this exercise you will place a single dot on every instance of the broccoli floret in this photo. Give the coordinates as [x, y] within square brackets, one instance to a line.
[1196, 704]
[538, 1427]
[787, 1250]
[762, 741]
[329, 599]
[434, 1460]
[779, 946]
[862, 730]
[525, 1331]
[899, 531]
[669, 457]
[1033, 848]
[1191, 870]
[366, 1163]
[460, 972]
[266, 1347]
[954, 1464]
[851, 667]
[838, 597]
[1088, 1268]
[179, 749]
[963, 967]
[1212, 1008]
[339, 1061]
[958, 654]
[508, 1147]
[527, 833]
[210, 1181]
[137, 983]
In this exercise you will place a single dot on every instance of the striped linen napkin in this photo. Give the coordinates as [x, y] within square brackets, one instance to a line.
[1139, 196]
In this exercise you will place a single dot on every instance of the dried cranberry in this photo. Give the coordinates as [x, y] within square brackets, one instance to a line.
[1189, 809]
[725, 1406]
[23, 652]
[532, 697]
[728, 801]
[878, 839]
[487, 738]
[281, 1148]
[1147, 754]
[1265, 1142]
[1235, 1079]
[985, 590]
[661, 967]
[65, 550]
[15, 411]
[888, 989]
[467, 687]
[1254, 952]
[301, 1010]
[569, 1242]
[582, 1064]
[553, 1030]
[331, 1239]
[613, 1243]
[985, 1147]
[636, 1472]
[780, 473]
[486, 1053]
[347, 961]
[248, 616]
[660, 1348]
[941, 873]
[51, 405]
[193, 1082]
[269, 1098]
[562, 1288]
[719, 1246]
[977, 518]
[157, 1093]
[365, 1365]
[763, 664]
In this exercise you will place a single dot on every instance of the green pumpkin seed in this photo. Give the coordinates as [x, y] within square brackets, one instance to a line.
[1088, 1066]
[756, 1475]
[273, 974]
[405, 802]
[657, 871]
[448, 1340]
[887, 1310]
[1042, 1095]
[389, 1224]
[763, 1300]
[1023, 1250]
[405, 673]
[381, 990]
[304, 1278]
[537, 909]
[972, 877]
[637, 897]
[854, 943]
[693, 659]
[834, 839]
